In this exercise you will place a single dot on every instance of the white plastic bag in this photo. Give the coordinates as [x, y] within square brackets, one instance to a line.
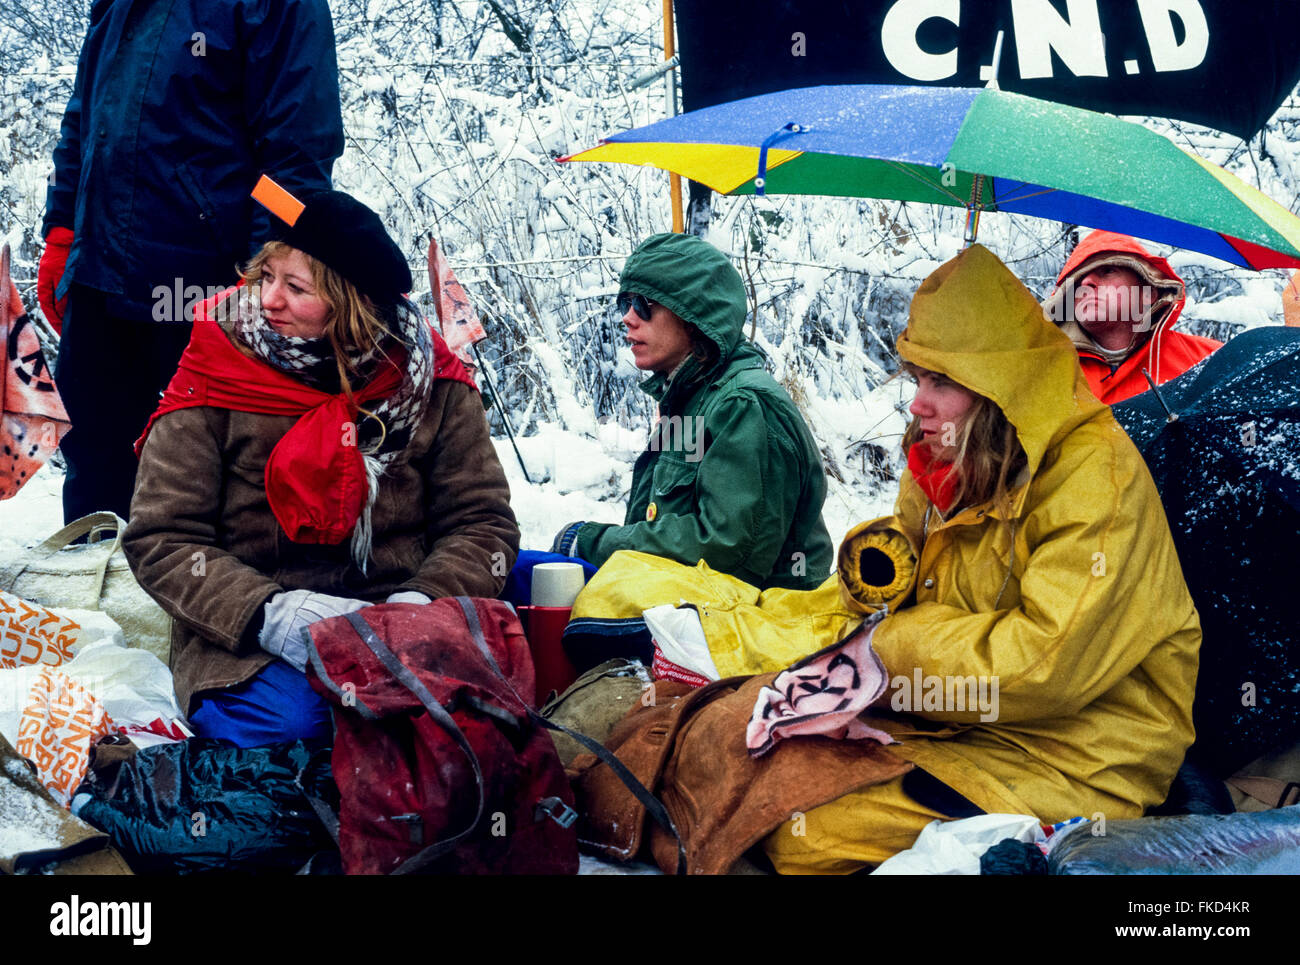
[135, 688]
[53, 710]
[955, 847]
[38, 644]
[679, 636]
[58, 724]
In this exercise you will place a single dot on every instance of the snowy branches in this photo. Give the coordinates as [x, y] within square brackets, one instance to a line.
[456, 111]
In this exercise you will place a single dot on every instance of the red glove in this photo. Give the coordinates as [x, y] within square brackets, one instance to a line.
[50, 272]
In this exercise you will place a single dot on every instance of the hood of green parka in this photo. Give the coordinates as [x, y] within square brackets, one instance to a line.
[973, 321]
[693, 280]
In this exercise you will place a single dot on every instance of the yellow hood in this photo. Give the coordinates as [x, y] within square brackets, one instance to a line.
[997, 343]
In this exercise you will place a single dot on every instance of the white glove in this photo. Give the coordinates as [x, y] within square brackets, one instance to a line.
[408, 596]
[288, 614]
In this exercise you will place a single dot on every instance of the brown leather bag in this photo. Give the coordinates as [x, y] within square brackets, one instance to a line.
[1272, 781]
[688, 746]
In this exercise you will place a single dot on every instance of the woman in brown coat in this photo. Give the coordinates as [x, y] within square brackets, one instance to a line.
[318, 450]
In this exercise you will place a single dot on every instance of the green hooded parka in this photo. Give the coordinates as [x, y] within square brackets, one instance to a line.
[731, 475]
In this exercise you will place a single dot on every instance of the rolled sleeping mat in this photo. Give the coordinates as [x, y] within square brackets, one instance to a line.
[877, 566]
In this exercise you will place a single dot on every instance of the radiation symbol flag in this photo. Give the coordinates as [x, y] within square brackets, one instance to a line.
[457, 320]
[32, 417]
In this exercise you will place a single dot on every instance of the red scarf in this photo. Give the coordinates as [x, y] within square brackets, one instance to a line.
[936, 479]
[315, 483]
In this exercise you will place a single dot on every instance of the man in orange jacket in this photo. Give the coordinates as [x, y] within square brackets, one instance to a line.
[1118, 303]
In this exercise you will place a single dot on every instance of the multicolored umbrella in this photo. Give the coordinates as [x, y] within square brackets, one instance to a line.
[981, 149]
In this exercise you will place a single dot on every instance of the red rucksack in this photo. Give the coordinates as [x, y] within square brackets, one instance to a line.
[439, 764]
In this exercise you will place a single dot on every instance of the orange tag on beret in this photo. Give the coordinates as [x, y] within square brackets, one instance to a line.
[277, 200]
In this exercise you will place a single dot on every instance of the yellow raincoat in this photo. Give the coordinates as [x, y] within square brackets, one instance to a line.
[748, 630]
[1072, 600]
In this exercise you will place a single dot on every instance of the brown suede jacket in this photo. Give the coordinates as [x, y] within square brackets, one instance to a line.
[203, 542]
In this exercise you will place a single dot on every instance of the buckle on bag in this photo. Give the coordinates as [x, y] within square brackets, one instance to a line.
[556, 810]
[414, 824]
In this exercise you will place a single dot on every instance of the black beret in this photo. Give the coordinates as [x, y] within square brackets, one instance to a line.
[338, 230]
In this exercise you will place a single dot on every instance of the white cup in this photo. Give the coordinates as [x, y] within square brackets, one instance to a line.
[557, 584]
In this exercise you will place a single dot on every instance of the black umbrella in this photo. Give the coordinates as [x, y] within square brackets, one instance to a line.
[1223, 444]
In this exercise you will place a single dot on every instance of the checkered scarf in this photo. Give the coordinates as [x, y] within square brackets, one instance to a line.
[385, 431]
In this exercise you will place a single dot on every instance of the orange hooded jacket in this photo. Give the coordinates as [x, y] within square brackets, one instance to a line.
[1165, 353]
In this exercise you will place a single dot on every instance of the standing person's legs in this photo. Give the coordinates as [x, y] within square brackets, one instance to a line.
[110, 371]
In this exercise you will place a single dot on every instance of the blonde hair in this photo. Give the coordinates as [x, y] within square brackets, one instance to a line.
[352, 325]
[989, 453]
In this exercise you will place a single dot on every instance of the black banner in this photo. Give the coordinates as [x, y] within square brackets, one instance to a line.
[1227, 64]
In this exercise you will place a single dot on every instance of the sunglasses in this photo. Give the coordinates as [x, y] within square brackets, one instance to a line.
[638, 303]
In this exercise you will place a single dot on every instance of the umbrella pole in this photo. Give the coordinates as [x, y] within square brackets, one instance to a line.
[674, 180]
[977, 188]
[973, 211]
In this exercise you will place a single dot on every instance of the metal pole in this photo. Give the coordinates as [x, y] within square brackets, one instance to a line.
[973, 210]
[977, 187]
[997, 62]
[1172, 415]
[501, 407]
[670, 78]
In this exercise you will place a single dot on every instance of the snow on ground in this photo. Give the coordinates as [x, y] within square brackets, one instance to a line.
[573, 477]
[33, 514]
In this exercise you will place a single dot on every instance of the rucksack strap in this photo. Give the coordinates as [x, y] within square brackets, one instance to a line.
[654, 807]
[408, 679]
[328, 816]
[1272, 791]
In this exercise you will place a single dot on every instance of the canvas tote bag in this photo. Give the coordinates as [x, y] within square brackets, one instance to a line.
[91, 576]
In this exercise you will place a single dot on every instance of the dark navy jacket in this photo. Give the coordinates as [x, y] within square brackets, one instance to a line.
[179, 106]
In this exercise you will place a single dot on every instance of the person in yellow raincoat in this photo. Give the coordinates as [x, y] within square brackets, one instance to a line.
[1048, 662]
